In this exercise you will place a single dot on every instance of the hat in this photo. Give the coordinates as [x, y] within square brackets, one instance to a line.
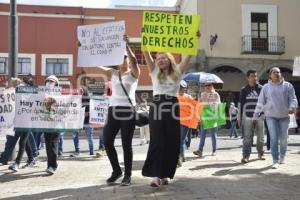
[232, 104]
[52, 78]
[274, 69]
[183, 84]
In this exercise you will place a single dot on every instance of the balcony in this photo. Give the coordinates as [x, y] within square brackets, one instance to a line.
[272, 45]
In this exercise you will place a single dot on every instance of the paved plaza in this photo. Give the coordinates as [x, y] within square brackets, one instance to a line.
[219, 177]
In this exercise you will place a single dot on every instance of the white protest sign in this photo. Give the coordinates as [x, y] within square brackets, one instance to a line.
[46, 110]
[296, 69]
[98, 110]
[7, 111]
[101, 44]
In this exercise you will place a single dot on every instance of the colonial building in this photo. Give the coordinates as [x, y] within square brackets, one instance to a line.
[242, 35]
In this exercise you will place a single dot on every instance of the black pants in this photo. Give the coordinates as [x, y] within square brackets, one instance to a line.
[51, 140]
[119, 118]
[24, 145]
[163, 152]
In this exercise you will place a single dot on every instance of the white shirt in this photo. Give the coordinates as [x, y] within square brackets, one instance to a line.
[168, 86]
[118, 97]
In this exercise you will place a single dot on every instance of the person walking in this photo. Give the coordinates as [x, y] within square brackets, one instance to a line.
[120, 116]
[233, 112]
[277, 100]
[247, 101]
[211, 98]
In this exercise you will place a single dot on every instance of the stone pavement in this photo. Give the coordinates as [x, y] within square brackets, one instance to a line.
[220, 177]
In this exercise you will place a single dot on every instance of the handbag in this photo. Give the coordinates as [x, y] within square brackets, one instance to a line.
[141, 117]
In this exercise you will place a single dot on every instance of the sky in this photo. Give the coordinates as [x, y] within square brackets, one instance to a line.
[97, 3]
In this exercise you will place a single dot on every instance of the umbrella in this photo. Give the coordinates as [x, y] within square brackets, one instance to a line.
[203, 77]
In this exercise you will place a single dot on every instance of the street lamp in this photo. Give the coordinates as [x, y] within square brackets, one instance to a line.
[13, 40]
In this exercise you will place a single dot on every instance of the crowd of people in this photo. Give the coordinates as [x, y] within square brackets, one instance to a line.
[260, 107]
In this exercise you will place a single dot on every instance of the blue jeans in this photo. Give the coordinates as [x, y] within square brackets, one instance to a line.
[10, 144]
[278, 129]
[37, 137]
[183, 135]
[233, 128]
[33, 146]
[213, 133]
[101, 140]
[61, 143]
[90, 138]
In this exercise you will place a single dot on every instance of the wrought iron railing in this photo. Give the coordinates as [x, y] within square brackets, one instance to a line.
[270, 45]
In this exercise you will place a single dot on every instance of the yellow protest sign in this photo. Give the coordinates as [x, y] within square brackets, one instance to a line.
[166, 32]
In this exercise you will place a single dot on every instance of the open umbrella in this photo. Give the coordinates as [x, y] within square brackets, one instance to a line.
[203, 77]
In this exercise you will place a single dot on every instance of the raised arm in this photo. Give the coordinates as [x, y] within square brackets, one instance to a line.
[149, 60]
[108, 72]
[135, 69]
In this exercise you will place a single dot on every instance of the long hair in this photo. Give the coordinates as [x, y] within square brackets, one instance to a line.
[171, 69]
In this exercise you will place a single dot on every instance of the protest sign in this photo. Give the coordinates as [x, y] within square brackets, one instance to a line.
[98, 110]
[212, 118]
[296, 69]
[166, 32]
[101, 44]
[190, 111]
[7, 111]
[46, 110]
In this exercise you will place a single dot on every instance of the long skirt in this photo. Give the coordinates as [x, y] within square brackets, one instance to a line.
[164, 147]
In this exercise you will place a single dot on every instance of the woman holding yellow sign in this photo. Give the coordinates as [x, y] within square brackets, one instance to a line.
[164, 120]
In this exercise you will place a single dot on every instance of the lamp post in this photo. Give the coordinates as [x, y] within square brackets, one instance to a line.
[13, 40]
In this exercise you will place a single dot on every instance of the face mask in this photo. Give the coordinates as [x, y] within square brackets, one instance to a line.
[50, 84]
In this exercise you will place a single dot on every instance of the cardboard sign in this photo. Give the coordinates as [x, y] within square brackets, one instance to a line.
[165, 32]
[98, 110]
[7, 111]
[101, 44]
[46, 110]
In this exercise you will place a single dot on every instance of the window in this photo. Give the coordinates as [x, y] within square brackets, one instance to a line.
[24, 65]
[57, 64]
[3, 65]
[259, 31]
[136, 48]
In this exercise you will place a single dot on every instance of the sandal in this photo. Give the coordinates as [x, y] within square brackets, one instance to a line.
[155, 182]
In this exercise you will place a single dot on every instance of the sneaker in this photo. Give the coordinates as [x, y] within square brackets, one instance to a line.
[98, 154]
[275, 166]
[29, 164]
[76, 154]
[126, 181]
[261, 156]
[3, 161]
[282, 160]
[213, 153]
[14, 167]
[50, 170]
[245, 160]
[198, 153]
[114, 176]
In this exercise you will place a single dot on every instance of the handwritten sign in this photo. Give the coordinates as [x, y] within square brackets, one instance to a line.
[165, 32]
[101, 44]
[98, 110]
[7, 111]
[296, 70]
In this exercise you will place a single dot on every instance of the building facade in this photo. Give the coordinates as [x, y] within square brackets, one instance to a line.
[48, 40]
[246, 34]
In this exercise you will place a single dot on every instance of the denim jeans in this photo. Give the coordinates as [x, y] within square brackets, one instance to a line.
[183, 135]
[233, 128]
[278, 129]
[61, 143]
[10, 144]
[101, 140]
[249, 129]
[33, 146]
[213, 133]
[37, 137]
[90, 138]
